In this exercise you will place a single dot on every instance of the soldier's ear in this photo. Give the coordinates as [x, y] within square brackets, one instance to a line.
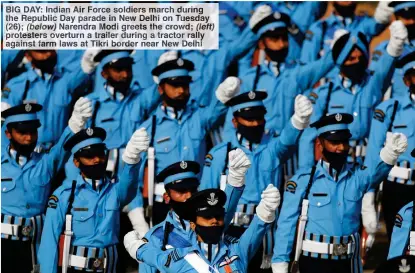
[166, 198]
[407, 80]
[28, 56]
[160, 89]
[261, 44]
[104, 74]
[8, 134]
[235, 123]
[319, 144]
[192, 225]
[76, 162]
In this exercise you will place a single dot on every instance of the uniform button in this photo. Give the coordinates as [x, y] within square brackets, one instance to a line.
[100, 215]
[82, 218]
[180, 122]
[28, 206]
[102, 233]
[339, 204]
[165, 149]
[4, 189]
[355, 114]
[185, 148]
[318, 204]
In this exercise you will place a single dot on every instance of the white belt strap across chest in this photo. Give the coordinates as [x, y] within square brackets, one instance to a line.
[412, 243]
[198, 264]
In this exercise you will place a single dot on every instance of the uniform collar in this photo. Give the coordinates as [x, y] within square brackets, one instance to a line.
[209, 251]
[324, 169]
[35, 73]
[222, 249]
[258, 148]
[178, 222]
[161, 114]
[95, 184]
[81, 182]
[406, 101]
[22, 160]
[111, 92]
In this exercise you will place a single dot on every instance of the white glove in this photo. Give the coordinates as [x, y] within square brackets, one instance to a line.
[238, 166]
[132, 242]
[396, 144]
[337, 34]
[260, 13]
[383, 12]
[138, 143]
[228, 89]
[87, 63]
[81, 112]
[5, 106]
[270, 200]
[280, 267]
[165, 57]
[399, 34]
[369, 213]
[303, 108]
[137, 220]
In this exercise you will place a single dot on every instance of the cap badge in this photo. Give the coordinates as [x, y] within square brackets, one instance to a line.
[404, 267]
[212, 200]
[183, 165]
[89, 131]
[28, 107]
[338, 117]
[180, 62]
[251, 95]
[277, 15]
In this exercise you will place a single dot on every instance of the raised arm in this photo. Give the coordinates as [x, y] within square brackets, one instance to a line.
[127, 186]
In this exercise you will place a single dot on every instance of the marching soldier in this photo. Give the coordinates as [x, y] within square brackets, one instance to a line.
[207, 251]
[396, 115]
[320, 35]
[181, 182]
[51, 86]
[82, 222]
[327, 202]
[120, 105]
[267, 154]
[25, 179]
[405, 12]
[178, 128]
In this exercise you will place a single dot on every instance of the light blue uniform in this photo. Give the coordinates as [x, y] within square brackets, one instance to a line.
[54, 93]
[334, 207]
[320, 35]
[233, 257]
[398, 86]
[180, 229]
[404, 122]
[210, 65]
[95, 219]
[358, 100]
[403, 227]
[282, 86]
[267, 159]
[25, 189]
[120, 117]
[179, 138]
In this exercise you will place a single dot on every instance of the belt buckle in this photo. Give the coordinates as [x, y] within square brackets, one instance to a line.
[243, 219]
[339, 249]
[26, 230]
[95, 263]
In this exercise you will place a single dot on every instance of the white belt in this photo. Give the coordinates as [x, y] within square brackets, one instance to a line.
[13, 230]
[10, 229]
[412, 243]
[79, 261]
[400, 172]
[326, 248]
